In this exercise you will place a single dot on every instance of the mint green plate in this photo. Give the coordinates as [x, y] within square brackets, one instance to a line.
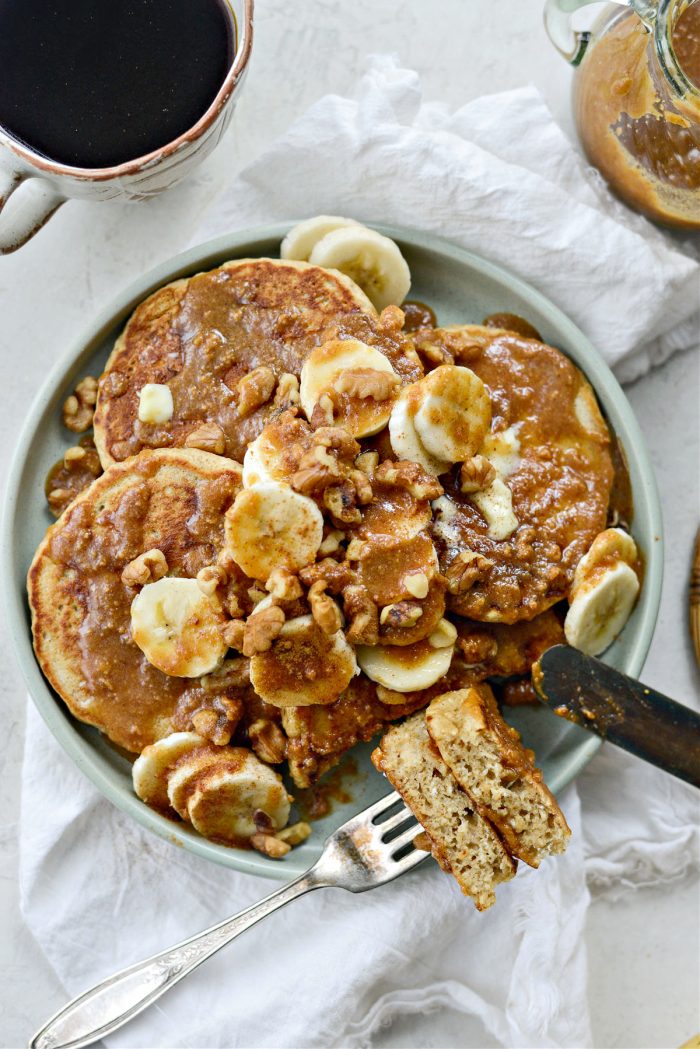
[460, 287]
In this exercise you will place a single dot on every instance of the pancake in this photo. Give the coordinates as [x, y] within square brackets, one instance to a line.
[203, 334]
[173, 500]
[554, 455]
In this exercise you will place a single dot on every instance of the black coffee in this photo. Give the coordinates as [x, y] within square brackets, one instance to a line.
[93, 83]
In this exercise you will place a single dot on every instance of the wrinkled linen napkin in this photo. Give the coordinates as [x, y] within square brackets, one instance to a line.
[98, 892]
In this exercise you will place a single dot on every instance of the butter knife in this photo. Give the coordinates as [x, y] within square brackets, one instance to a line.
[621, 710]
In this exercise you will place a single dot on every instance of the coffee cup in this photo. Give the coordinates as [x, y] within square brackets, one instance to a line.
[37, 185]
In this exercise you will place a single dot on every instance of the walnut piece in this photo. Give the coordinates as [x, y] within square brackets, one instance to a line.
[210, 578]
[477, 648]
[270, 846]
[218, 722]
[79, 408]
[434, 353]
[261, 629]
[323, 412]
[476, 474]
[324, 609]
[317, 471]
[58, 499]
[341, 502]
[391, 318]
[146, 568]
[268, 741]
[287, 392]
[401, 615]
[410, 476]
[362, 615]
[363, 488]
[233, 673]
[389, 697]
[254, 389]
[283, 585]
[331, 542]
[295, 834]
[465, 570]
[336, 575]
[364, 383]
[338, 439]
[233, 634]
[209, 437]
[367, 462]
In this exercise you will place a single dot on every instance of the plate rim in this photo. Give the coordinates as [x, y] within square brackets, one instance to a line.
[115, 311]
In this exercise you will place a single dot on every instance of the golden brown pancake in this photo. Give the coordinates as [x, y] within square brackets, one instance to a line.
[203, 334]
[173, 500]
[560, 483]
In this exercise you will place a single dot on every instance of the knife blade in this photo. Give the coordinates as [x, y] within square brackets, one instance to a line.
[620, 709]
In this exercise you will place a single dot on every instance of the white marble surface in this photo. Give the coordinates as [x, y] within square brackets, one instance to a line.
[643, 951]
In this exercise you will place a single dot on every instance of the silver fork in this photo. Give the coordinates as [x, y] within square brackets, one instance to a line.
[370, 849]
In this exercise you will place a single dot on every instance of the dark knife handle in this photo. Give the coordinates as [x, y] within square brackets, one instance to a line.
[621, 710]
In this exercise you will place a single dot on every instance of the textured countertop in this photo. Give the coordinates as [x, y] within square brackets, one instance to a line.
[643, 951]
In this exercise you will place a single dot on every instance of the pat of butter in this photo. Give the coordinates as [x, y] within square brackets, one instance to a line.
[155, 403]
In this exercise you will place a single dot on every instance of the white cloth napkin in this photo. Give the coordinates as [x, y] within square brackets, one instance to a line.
[499, 177]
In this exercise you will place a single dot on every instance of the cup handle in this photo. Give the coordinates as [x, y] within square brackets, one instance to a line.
[572, 43]
[30, 210]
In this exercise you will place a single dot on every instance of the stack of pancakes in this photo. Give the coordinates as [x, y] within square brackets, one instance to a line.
[168, 486]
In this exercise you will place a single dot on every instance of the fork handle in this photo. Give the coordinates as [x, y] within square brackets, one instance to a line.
[113, 1002]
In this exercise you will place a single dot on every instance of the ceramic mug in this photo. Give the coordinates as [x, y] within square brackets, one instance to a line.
[42, 185]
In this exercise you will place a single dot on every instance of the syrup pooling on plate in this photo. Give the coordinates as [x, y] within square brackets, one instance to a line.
[328, 571]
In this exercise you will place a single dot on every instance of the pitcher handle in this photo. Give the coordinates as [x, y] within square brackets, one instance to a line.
[34, 205]
[572, 43]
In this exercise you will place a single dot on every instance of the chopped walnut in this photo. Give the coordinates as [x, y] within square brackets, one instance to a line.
[210, 578]
[255, 594]
[367, 462]
[362, 615]
[287, 392]
[261, 629]
[411, 476]
[219, 722]
[477, 648]
[341, 502]
[365, 383]
[417, 584]
[58, 499]
[146, 568]
[270, 846]
[331, 542]
[391, 318]
[283, 585]
[362, 486]
[254, 389]
[79, 408]
[323, 413]
[324, 609]
[209, 437]
[465, 570]
[523, 544]
[233, 673]
[317, 471]
[268, 741]
[476, 474]
[338, 439]
[335, 574]
[401, 615]
[233, 634]
[389, 697]
[434, 353]
[295, 834]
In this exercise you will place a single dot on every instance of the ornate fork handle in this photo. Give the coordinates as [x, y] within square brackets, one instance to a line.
[118, 999]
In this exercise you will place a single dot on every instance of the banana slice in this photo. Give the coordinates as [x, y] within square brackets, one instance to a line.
[261, 462]
[502, 449]
[302, 238]
[496, 504]
[405, 669]
[608, 547]
[176, 626]
[600, 608]
[271, 526]
[359, 379]
[454, 414]
[374, 262]
[149, 772]
[304, 666]
[405, 442]
[224, 799]
[183, 776]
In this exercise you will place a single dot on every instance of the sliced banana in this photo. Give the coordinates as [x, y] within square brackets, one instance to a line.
[302, 238]
[271, 526]
[149, 773]
[405, 442]
[608, 547]
[454, 414]
[304, 666]
[262, 460]
[176, 626]
[224, 799]
[373, 261]
[502, 449]
[405, 669]
[496, 504]
[601, 608]
[346, 369]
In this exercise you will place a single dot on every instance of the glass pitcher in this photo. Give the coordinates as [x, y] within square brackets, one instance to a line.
[637, 100]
